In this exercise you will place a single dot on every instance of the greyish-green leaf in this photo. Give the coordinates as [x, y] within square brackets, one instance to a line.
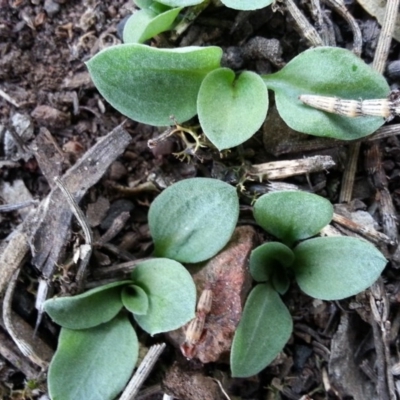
[194, 219]
[332, 268]
[267, 258]
[327, 71]
[263, 331]
[231, 109]
[95, 363]
[171, 293]
[150, 85]
[292, 216]
[87, 309]
[246, 5]
[151, 5]
[145, 24]
[135, 299]
[180, 3]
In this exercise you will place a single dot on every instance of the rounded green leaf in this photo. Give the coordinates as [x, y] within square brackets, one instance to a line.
[150, 85]
[292, 216]
[231, 109]
[88, 309]
[171, 293]
[194, 219]
[332, 268]
[180, 3]
[266, 259]
[327, 71]
[145, 24]
[263, 331]
[246, 4]
[93, 364]
[135, 299]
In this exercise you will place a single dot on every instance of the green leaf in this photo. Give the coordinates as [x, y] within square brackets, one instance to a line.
[267, 258]
[230, 109]
[171, 293]
[194, 219]
[135, 299]
[93, 364]
[180, 3]
[88, 309]
[150, 85]
[145, 24]
[292, 216]
[327, 71]
[280, 281]
[263, 331]
[144, 4]
[246, 4]
[332, 268]
[151, 5]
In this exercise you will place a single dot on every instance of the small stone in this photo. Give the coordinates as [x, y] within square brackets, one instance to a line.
[97, 211]
[393, 70]
[117, 171]
[51, 7]
[51, 117]
[260, 48]
[232, 58]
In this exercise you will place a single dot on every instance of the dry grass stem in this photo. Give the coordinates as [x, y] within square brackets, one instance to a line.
[371, 234]
[284, 169]
[28, 349]
[340, 8]
[346, 189]
[142, 372]
[304, 26]
[385, 38]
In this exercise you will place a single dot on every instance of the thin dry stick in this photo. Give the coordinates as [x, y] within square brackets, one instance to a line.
[387, 208]
[306, 29]
[142, 372]
[284, 169]
[341, 9]
[79, 215]
[385, 37]
[379, 304]
[86, 250]
[14, 254]
[349, 174]
[5, 96]
[379, 65]
[25, 347]
[222, 389]
[385, 132]
[369, 233]
[322, 28]
[17, 206]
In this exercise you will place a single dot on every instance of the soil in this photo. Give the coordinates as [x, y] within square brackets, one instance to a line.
[337, 349]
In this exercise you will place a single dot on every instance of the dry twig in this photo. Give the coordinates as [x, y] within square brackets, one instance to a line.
[341, 9]
[21, 340]
[304, 26]
[349, 174]
[142, 372]
[284, 169]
